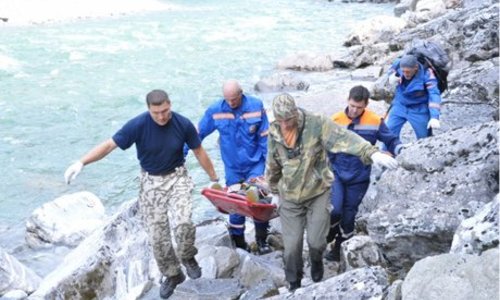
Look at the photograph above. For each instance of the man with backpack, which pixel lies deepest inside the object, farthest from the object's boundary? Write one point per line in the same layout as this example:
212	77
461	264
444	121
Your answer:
417	98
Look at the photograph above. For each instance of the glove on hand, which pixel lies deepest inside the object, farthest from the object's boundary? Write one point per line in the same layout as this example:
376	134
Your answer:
384	160
275	199
434	124
73	171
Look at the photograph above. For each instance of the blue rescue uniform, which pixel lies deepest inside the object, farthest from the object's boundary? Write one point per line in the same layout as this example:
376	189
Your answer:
351	176
243	144
416	101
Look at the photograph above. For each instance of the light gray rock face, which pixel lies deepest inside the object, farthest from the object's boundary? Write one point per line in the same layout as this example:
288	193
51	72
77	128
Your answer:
281	82
380	29
454	277
371	73
403	6
65	221
394	291
363	283
306	61
361	56
115	262
360	251
441	181
217	262
15	276
14	295
479	233
205	289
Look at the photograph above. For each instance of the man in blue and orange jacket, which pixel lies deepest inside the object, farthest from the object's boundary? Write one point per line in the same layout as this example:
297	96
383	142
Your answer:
242	124
417	98
351	176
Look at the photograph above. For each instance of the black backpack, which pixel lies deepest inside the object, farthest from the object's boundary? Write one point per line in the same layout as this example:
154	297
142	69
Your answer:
431	55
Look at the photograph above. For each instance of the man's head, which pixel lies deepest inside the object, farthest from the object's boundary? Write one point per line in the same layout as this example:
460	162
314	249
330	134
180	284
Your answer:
159	106
357	101
285	111
232	92
409	66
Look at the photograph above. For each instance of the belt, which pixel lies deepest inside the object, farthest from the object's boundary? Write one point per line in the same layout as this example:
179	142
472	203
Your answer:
162	173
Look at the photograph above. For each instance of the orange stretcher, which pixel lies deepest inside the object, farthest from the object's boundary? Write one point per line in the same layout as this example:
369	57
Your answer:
232	203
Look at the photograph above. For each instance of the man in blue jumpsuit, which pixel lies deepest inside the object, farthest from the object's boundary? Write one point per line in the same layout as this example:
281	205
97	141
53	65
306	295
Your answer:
417	98
351	176
242	125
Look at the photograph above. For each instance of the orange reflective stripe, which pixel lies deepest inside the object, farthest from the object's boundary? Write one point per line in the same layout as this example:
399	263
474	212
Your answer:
249	115
434	105
264	133
221	116
341	119
370	118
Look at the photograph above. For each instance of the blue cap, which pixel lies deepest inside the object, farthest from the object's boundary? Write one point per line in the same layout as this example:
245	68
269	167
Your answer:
408	61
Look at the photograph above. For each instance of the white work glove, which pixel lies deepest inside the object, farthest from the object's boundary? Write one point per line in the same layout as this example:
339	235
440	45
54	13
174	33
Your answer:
73	171
215	185
275	199
384	160
434	124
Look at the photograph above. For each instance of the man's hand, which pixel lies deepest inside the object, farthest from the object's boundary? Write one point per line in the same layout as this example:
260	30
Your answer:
73	171
434	124
384	160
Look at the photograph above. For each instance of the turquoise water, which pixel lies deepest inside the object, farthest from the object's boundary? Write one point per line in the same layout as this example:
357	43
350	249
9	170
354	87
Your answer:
69	86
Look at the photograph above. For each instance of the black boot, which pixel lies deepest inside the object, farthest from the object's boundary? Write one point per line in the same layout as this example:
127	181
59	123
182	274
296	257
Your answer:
294	285
334	254
317	270
239	242
261	239
192	268
169	284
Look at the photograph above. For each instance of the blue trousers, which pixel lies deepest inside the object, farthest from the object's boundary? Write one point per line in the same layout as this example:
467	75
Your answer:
236	221
417	115
346	199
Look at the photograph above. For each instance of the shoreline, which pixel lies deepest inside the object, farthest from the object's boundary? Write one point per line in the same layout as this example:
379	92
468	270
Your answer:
32	12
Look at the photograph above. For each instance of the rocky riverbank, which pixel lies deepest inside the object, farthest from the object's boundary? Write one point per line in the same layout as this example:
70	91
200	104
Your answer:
428	230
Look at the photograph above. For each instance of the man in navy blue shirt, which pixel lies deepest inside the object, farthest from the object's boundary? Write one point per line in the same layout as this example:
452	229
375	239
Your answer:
159	136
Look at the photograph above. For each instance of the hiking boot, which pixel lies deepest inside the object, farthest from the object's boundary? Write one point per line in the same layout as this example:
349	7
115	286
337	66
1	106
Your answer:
293	285
317	270
239	242
168	285
333	255
263	247
193	270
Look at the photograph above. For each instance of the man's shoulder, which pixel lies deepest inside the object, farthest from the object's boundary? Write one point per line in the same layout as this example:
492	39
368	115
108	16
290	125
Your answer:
253	100
177	117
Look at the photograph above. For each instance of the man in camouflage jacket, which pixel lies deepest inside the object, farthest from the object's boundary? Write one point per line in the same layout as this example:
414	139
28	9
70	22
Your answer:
297	170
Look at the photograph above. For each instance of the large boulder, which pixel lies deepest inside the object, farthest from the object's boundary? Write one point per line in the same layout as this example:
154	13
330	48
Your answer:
479	233
66	220
441	181
281	82
360	251
115	262
453	277
380	29
16	276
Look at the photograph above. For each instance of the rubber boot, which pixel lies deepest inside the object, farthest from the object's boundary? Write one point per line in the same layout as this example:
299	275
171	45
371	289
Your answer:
239	242
261	239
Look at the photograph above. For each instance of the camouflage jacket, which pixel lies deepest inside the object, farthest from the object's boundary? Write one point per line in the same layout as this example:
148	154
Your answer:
303	173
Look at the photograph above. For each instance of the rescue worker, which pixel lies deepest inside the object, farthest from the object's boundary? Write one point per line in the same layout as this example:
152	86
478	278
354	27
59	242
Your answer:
351	176
299	177
417	98
242	124
159	136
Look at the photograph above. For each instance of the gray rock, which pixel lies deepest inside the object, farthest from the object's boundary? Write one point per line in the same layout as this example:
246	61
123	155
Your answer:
66	220
115	262
479	233
404	6
281	82
394	291
442	180
363	283
306	61
208	289
371	73
259	269
15	276
454	277
14	295
360	251
217	262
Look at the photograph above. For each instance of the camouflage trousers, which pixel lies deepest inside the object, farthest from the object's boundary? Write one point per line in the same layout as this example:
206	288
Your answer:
165	202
